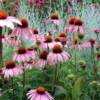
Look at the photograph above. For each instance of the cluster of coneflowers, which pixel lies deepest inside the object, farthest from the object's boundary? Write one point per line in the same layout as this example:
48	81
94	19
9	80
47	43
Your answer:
45	51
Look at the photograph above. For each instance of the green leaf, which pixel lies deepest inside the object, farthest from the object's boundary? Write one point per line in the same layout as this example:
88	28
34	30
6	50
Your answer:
76	90
60	91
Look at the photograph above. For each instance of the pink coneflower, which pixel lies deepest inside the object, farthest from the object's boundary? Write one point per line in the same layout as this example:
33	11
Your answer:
75	25
57	39
96	31
23	30
11	70
21	55
41	61
8	21
55	19
58	55
90	44
64	39
29	65
39	94
35	35
47	43
31	52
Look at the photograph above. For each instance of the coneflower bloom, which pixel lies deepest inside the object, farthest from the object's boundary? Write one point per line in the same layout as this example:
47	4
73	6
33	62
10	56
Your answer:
35	35
8	21
58	55
75	25
57	39
21	55
12	70
47	43
22	30
41	61
31	52
90	44
64	39
55	19
29	65
96	31
39	94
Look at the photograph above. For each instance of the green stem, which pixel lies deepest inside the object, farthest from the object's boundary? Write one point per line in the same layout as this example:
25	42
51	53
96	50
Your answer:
12	88
24	76
93	62
54	79
76	56
1	47
98	38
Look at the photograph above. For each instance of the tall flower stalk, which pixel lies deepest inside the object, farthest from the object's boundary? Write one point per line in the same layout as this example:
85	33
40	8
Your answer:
1	45
76	43
12	80
24	76
93	56
55	76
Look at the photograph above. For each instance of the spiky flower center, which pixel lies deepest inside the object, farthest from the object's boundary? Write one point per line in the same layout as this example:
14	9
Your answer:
24	23
21	51
54	16
35	31
3	15
29	62
43	55
57	39
92	41
62	34
10	64
75	21
78	22
40	90
48	39
57	48
72	20
12	37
